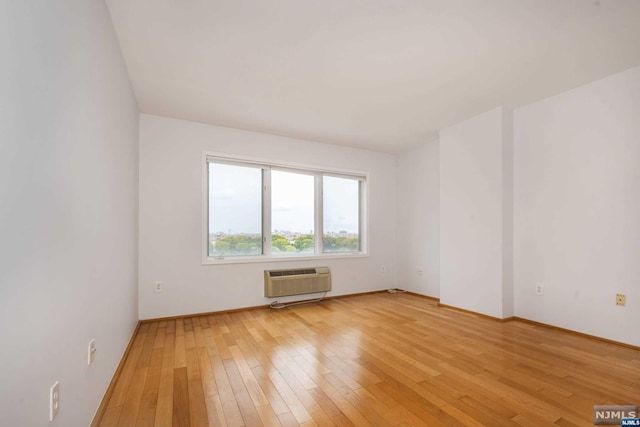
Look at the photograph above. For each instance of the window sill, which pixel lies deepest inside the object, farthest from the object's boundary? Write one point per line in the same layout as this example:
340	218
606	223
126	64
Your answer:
265	259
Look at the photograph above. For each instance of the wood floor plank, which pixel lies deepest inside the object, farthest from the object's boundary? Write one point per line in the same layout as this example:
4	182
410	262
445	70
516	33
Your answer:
164	408
134	397
215	413
149	400
111	416
290	398
273	396
267	416
181	415
333	412
250	382
145	356
171	326
207	377
180	358
197	405
230	407
378	359
288	420
124	381
247	409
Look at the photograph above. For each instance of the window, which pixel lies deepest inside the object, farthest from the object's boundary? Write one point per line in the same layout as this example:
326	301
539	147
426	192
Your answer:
255	211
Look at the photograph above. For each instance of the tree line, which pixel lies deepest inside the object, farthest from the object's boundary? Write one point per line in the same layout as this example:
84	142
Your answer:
246	244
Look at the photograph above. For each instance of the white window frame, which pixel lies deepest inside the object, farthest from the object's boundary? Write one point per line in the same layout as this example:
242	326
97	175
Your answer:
267	256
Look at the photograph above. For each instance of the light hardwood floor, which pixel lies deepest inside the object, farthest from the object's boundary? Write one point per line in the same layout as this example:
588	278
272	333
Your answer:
378	359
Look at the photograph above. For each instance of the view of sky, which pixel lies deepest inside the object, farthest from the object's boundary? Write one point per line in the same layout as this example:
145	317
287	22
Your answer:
235	201
292	201
341	204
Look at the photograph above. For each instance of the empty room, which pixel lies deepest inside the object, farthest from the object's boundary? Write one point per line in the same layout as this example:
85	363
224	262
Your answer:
319	213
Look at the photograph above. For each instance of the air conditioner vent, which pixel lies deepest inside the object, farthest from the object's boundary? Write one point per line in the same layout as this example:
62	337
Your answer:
297	281
279	273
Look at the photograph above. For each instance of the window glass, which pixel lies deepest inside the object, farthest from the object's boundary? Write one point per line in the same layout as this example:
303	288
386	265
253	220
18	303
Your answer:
341	214
292	212
235	210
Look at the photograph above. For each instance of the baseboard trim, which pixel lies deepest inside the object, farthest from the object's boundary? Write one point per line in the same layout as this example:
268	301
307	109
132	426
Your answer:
255	307
571	331
207	313
97	418
531	322
474	313
430	298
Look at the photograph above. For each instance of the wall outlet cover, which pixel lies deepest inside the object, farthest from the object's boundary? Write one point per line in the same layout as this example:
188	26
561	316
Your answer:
91	351
54	400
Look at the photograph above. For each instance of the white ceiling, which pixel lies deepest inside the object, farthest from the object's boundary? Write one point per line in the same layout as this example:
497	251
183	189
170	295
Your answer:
376	74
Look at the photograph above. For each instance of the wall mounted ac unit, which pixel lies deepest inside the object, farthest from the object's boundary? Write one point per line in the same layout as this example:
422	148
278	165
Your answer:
296	281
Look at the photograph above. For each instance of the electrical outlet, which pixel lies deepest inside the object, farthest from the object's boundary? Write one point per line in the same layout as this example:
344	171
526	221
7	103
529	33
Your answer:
159	287
621	299
539	289
419	272
91	351
54	400
382	268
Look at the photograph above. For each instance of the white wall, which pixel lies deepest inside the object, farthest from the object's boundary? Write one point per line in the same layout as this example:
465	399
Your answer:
68	208
473	263
171	218
508	302
418	199
577	208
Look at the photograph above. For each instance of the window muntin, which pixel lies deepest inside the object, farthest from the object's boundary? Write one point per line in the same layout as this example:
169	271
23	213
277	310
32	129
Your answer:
248	203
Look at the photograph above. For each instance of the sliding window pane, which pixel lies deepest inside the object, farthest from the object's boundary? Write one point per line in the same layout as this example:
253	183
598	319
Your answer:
341	214
292	213
235	210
